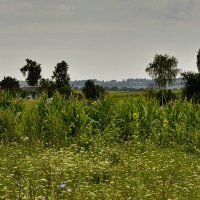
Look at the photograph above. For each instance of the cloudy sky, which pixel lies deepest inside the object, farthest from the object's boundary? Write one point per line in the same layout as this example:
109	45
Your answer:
103	39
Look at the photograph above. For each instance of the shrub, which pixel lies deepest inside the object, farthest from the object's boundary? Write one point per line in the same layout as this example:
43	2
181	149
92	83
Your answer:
92	91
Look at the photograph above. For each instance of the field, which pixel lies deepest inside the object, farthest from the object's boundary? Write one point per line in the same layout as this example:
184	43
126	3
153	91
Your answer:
114	148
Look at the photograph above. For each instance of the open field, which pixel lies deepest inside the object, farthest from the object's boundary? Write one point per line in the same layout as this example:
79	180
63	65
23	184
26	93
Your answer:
115	171
129	148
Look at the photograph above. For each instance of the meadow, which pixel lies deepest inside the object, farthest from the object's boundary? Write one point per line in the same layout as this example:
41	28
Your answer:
113	148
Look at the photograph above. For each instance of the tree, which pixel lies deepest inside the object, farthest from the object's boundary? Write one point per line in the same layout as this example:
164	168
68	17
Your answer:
60	74
62	79
163	70
11	84
33	71
191	89
198	61
92	91
48	86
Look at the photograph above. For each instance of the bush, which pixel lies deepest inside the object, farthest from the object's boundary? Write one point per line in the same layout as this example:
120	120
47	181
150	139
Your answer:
92	91
192	86
167	96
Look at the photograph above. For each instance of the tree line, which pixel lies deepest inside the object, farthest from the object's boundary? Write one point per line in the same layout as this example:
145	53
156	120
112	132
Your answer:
163	70
59	81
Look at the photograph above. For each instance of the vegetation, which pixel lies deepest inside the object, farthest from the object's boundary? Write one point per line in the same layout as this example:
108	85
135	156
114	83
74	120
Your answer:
93	91
111	149
11	84
47	86
192	83
61	76
164	71
114	146
114	171
33	71
192	86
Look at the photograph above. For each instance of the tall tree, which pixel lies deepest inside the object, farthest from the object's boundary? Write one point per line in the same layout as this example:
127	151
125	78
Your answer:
33	71
62	79
60	74
198	61
163	70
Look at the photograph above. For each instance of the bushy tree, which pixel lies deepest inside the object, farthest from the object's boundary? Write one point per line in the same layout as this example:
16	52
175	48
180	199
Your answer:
33	71
60	74
11	84
191	89
62	79
48	86
92	91
163	70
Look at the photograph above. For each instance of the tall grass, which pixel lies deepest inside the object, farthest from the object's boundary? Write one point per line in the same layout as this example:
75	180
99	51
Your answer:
59	122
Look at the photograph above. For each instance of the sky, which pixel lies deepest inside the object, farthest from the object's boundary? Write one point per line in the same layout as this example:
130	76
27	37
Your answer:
99	39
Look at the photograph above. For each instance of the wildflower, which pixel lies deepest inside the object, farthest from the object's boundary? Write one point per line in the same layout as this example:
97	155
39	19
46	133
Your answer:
17	183
69	190
136	115
62	185
165	123
25	139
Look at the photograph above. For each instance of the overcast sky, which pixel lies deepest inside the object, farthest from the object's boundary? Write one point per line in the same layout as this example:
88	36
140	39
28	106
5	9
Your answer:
102	39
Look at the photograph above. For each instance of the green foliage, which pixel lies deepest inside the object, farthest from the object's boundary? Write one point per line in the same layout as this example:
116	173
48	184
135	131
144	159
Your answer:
167	96
92	91
115	171
57	122
192	86
48	86
61	76
10	84
163	70
192	83
162	97
110	149
33	71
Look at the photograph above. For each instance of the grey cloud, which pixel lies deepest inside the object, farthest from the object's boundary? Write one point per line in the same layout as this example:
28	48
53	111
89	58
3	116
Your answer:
96	33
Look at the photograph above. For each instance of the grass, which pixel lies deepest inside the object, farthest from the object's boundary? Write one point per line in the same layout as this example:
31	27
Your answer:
125	94
115	171
114	148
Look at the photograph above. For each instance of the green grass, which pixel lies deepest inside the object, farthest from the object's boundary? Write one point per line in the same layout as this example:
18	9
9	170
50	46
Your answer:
115	171
113	148
125	94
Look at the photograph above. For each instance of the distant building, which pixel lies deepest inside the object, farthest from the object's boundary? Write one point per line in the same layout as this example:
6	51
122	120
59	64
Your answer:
29	89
